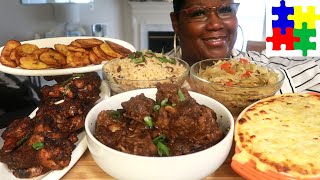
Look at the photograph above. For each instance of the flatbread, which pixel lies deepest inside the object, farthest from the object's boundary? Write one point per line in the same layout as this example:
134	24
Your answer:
281	134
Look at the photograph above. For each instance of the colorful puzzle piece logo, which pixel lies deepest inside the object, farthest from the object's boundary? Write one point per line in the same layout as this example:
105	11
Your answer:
293	28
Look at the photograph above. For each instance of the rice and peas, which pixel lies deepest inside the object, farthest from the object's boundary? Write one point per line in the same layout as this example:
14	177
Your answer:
236	83
143	69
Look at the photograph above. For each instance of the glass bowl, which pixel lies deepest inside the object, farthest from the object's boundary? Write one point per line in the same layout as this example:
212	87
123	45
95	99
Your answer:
123	74
235	97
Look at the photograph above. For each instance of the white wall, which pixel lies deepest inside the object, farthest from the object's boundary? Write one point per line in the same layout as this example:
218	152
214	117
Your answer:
104	11
21	22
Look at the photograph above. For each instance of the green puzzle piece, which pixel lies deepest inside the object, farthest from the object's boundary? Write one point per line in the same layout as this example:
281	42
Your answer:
305	35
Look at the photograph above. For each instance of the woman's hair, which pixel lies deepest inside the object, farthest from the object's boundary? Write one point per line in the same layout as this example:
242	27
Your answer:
177	5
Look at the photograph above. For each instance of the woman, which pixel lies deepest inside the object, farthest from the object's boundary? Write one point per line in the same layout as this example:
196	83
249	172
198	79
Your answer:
208	29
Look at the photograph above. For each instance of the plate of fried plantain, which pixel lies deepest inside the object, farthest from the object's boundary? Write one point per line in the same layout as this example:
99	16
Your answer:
60	55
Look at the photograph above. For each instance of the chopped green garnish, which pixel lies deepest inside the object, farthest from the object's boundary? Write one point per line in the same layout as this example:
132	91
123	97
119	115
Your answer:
163	150
115	115
181	95
140	53
23	139
172	61
173	104
37	146
163	59
148	121
160	138
76	75
138	60
132	56
164	102
156	107
66	88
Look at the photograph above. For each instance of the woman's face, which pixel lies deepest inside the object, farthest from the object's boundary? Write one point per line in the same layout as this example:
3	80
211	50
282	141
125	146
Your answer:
204	36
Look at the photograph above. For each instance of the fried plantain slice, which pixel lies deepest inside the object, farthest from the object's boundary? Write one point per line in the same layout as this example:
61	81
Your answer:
31	62
75	43
6	51
39	51
8	47
89	42
14	56
118	48
94	59
110	52
97	51
62	49
78	49
78	59
26	49
53	59
21	51
8	62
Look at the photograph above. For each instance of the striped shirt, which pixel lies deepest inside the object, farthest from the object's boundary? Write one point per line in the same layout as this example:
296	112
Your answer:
302	74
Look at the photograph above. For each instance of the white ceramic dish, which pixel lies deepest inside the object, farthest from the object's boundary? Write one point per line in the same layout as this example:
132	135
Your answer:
49	42
126	166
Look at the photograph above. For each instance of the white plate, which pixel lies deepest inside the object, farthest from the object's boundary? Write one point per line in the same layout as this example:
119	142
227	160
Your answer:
49	42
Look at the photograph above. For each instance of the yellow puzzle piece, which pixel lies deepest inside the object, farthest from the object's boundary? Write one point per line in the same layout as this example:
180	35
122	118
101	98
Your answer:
310	17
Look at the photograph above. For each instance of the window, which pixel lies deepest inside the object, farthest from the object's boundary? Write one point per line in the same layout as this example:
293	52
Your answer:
251	17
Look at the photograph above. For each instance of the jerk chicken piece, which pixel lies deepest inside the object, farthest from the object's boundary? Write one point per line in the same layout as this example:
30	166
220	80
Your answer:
15	133
190	127
67	116
125	135
38	155
170	91
138	107
56	154
81	86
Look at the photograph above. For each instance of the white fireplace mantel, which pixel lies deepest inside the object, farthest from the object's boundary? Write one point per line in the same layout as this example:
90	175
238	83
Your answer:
149	16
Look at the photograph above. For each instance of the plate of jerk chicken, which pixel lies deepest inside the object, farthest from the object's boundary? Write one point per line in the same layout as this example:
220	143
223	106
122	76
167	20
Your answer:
47	143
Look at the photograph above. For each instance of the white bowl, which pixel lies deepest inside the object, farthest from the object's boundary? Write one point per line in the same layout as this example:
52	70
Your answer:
192	166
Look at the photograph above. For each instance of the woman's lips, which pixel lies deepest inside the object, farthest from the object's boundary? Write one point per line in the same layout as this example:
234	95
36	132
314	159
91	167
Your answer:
215	41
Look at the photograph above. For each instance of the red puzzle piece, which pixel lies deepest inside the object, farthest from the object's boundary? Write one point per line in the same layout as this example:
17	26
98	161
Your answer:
277	39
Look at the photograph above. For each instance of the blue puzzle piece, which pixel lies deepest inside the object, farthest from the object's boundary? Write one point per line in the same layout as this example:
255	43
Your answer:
282	11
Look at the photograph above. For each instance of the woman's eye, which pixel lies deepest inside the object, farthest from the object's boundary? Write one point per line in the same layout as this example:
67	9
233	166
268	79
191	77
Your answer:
198	12
225	9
